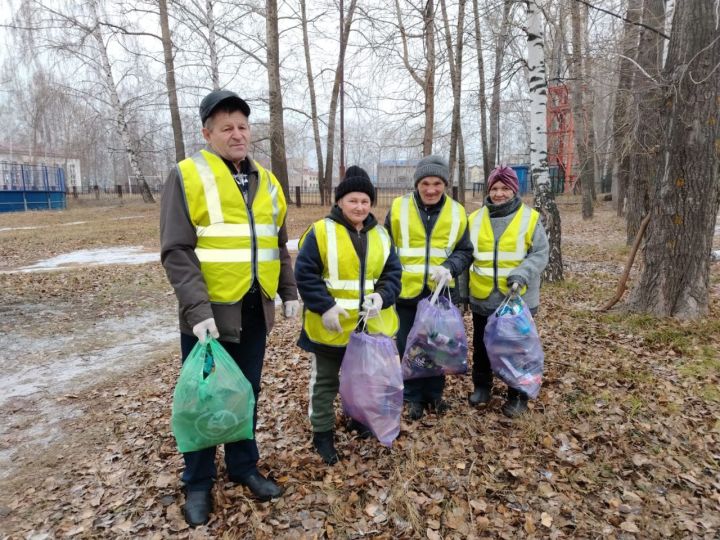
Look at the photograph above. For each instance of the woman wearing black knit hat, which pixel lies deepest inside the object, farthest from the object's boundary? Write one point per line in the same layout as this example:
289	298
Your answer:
345	264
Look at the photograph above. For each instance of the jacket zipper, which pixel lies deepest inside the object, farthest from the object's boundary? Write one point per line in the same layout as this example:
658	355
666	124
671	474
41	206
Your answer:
363	265
428	234
495	265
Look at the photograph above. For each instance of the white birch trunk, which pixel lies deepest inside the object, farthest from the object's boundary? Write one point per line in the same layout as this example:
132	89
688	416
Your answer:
119	110
544	197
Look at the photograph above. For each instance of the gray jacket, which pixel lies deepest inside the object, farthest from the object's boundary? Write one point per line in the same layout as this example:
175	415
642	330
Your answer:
177	254
529	270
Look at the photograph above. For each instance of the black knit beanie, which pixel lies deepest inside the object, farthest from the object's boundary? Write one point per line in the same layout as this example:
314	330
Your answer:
355	179
432	166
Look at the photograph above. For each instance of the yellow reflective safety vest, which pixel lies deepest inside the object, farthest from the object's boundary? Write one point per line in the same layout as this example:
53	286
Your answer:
235	246
495	259
416	251
342	272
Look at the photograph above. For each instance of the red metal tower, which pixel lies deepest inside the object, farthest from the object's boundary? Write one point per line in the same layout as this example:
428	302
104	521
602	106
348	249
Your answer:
560	137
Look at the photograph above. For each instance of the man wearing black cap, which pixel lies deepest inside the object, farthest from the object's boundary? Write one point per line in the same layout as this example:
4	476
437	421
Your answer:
223	236
430	232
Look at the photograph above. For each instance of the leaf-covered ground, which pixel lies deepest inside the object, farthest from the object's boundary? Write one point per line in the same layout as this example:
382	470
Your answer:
623	442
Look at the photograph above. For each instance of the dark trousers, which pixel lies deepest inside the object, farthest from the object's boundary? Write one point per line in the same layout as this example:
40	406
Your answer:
482	375
427	389
241	457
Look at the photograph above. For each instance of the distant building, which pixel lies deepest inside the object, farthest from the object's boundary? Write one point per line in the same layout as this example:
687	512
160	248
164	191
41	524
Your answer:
13	160
396	173
301	176
476	174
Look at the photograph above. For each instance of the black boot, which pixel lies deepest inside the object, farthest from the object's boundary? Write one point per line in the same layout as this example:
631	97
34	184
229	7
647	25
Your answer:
263	489
440	406
198	505
363	432
415	410
516	404
324	444
480	396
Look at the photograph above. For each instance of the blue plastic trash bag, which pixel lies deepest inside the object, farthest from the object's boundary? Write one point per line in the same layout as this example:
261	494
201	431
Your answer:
514	347
213	402
437	342
371	384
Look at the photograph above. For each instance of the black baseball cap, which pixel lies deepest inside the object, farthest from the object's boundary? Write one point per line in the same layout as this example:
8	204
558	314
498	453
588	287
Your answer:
215	98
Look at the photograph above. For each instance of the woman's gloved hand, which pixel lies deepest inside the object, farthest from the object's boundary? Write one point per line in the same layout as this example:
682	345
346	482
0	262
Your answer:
331	318
439	274
372	305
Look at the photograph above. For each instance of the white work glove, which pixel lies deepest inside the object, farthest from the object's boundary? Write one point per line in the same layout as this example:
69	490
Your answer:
372	305
202	329
331	318
291	308
440	274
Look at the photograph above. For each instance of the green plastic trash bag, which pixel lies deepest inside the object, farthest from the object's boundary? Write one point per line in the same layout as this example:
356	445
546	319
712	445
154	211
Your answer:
213	402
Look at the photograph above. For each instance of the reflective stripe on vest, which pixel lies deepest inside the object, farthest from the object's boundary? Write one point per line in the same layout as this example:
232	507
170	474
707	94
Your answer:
417	253
341	273
234	246
489	270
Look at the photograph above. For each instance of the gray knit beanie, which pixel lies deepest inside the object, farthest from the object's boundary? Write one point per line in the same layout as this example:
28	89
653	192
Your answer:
432	166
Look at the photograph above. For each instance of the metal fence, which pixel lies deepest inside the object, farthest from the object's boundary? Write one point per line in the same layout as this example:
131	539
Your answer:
90	193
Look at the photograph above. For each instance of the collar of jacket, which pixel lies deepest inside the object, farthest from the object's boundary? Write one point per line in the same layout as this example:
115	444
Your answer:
337	216
247	166
433	208
504	209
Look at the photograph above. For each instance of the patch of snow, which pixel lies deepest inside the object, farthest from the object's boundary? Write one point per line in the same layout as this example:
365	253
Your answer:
715	255
39	370
18	228
93	257
73	223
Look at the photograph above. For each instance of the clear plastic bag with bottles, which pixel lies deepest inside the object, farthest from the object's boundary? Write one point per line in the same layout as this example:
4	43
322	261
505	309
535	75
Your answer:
513	346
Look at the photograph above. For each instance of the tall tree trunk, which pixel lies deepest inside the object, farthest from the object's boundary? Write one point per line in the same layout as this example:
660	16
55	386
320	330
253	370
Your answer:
212	44
429	86
584	161
278	159
334	97
495	103
313	105
647	136
119	110
544	197
684	207
482	98
170	80
426	81
462	167
455	63
622	121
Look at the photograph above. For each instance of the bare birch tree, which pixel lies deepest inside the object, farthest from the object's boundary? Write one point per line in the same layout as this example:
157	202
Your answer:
544	197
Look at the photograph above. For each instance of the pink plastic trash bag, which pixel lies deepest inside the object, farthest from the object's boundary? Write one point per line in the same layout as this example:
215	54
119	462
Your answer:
371	384
514	347
437	342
